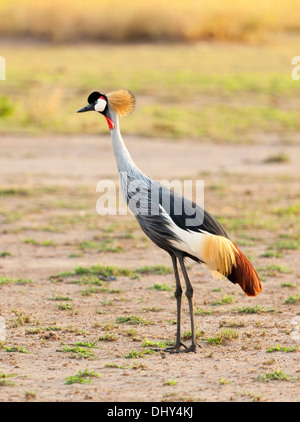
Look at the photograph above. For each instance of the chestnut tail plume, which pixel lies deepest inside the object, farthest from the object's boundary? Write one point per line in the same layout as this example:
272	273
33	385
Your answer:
245	275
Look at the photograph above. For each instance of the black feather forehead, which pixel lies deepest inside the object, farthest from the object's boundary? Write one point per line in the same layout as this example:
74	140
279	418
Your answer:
94	96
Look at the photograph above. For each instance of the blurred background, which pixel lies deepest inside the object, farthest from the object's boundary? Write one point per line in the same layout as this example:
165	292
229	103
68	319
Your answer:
210	70
216	101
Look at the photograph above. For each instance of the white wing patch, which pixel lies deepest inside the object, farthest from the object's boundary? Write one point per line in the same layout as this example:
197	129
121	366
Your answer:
217	252
190	241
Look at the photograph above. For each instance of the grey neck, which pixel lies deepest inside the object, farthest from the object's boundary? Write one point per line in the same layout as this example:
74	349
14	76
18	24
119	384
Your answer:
123	158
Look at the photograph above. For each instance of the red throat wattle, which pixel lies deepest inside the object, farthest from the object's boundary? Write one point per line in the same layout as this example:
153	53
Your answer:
110	123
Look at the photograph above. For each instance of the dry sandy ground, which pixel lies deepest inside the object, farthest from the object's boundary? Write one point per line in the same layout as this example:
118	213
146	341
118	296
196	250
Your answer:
59	177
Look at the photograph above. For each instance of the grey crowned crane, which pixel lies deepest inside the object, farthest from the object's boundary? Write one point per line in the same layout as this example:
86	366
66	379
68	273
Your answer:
171	221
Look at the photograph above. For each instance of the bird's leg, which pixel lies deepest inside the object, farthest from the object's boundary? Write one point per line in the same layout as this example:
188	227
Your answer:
178	295
189	295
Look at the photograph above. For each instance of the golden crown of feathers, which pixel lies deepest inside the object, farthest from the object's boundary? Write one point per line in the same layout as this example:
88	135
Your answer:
122	101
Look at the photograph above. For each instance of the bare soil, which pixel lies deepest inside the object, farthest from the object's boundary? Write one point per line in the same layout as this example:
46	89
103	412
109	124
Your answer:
50	210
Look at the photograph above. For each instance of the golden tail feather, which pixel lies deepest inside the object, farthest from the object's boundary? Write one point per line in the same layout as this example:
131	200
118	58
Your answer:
222	257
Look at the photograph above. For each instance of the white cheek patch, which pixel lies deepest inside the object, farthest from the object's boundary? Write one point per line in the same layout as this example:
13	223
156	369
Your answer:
100	105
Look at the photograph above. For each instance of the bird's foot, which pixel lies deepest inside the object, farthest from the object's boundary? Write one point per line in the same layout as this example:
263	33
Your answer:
171	349
177	348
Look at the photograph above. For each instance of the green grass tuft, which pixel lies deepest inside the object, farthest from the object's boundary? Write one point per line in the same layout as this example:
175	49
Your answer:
134	354
274	376
224	301
83	377
279	158
154	269
279	348
132	320
293	299
161	287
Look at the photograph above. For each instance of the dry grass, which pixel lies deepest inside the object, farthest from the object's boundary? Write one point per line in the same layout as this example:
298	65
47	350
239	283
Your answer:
210	91
116	20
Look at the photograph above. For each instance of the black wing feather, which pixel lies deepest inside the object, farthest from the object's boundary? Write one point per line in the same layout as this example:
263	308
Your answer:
202	220
183	212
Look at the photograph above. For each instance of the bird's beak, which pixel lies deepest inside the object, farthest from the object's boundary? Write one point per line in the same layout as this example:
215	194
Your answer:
89	107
